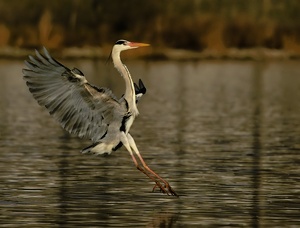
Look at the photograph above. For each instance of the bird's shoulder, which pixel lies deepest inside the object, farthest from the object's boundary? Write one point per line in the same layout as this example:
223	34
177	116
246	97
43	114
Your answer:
102	93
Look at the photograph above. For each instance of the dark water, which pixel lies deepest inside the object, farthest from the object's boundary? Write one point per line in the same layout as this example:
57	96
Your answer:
226	135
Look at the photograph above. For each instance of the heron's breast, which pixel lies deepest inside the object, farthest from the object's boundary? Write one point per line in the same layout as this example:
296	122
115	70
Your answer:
127	122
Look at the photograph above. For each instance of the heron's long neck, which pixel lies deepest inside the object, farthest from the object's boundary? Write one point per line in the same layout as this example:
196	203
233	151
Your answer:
129	91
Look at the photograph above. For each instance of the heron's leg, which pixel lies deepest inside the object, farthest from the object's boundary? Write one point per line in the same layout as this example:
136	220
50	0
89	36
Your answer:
135	149
127	146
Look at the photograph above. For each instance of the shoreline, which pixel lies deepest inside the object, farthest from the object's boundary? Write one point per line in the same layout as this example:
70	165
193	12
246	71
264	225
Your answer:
256	54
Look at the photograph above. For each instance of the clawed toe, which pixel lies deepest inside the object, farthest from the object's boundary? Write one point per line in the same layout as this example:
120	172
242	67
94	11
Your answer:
160	183
161	188
165	189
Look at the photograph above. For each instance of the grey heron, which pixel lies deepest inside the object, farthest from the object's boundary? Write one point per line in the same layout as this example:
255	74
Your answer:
90	112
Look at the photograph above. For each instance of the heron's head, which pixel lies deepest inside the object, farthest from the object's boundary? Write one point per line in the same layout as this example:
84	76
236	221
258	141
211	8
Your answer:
122	45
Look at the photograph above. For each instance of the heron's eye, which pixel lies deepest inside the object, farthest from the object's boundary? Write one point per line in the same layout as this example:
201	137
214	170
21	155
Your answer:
121	42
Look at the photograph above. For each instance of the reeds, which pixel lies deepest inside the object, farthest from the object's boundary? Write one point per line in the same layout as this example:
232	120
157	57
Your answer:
196	25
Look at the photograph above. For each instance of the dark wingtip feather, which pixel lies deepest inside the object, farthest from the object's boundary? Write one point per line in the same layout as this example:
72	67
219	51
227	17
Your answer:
136	88
140	88
143	89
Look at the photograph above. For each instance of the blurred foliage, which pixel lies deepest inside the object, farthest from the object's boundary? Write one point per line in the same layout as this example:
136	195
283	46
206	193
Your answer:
190	24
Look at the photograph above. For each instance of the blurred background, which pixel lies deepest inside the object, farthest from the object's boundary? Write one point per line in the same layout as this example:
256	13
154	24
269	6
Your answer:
199	25
221	127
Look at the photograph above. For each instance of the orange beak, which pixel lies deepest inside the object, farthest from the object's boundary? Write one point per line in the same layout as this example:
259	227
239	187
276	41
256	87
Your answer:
134	44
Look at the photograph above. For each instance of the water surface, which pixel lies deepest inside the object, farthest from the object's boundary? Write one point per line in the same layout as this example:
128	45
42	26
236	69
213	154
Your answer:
226	135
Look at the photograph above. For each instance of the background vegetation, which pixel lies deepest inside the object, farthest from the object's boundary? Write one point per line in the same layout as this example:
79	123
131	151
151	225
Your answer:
188	24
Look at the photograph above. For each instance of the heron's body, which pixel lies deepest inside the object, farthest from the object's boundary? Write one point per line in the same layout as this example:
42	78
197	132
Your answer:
88	111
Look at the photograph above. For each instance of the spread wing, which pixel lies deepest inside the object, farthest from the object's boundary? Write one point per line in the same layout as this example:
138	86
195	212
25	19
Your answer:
81	108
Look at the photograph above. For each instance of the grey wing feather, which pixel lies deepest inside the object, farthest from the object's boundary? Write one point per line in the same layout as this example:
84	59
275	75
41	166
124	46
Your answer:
81	108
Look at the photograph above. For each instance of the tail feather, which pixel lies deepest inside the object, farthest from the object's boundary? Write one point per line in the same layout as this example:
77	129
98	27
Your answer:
88	148
98	148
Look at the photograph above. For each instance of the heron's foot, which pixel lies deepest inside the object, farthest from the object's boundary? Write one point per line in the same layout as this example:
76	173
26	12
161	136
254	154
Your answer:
166	189
163	185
